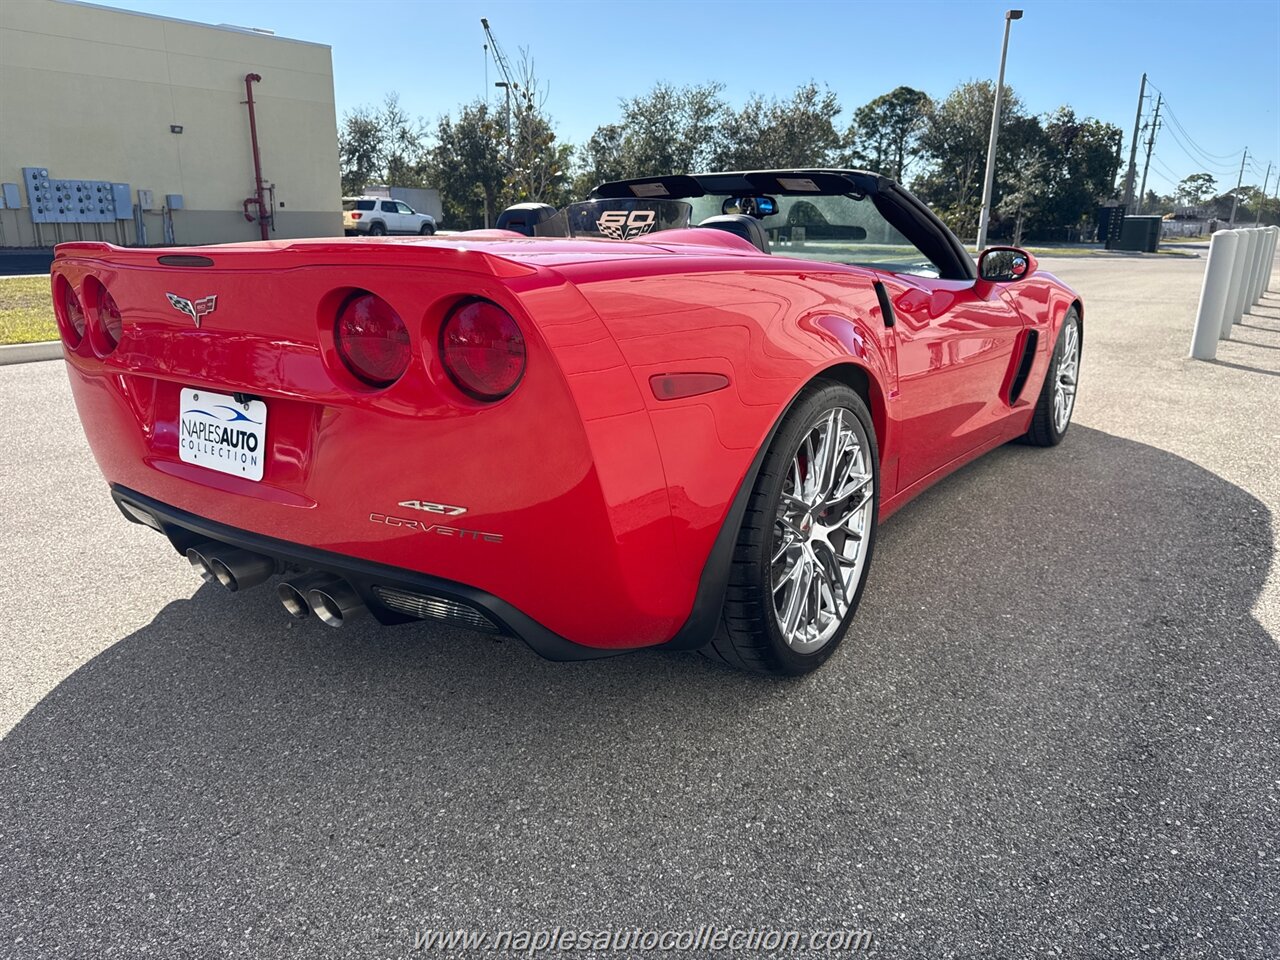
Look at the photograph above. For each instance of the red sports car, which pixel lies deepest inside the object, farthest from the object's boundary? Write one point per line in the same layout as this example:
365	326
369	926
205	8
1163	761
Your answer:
671	416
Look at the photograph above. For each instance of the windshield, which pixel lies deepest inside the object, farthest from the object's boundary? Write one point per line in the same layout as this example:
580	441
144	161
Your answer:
837	229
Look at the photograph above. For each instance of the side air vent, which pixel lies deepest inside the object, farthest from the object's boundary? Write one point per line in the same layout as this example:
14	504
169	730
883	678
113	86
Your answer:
886	307
424	606
1024	366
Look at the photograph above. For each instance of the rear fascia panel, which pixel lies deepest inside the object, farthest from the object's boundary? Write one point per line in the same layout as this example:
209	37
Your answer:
564	470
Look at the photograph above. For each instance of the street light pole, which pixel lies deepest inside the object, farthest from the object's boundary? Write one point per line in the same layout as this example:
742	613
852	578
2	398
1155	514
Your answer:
507	87
989	184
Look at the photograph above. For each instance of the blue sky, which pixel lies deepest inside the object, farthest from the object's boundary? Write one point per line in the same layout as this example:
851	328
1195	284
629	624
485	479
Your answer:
1216	61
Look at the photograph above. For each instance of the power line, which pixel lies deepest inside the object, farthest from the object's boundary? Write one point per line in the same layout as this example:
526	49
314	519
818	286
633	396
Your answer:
1164	172
1230	157
1212	167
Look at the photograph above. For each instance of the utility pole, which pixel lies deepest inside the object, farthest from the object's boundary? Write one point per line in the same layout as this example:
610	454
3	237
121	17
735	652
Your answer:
1132	172
1235	197
989	183
1257	214
1151	142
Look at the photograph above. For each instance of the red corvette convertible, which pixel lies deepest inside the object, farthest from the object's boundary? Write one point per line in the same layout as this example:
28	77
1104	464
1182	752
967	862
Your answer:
671	415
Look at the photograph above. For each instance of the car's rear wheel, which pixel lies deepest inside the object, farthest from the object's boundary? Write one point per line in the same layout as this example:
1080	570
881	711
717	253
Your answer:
427	230
805	545
1057	400
377	230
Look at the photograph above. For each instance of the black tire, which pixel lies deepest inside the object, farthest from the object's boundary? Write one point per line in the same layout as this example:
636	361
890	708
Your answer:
377	230
749	637
1044	430
427	230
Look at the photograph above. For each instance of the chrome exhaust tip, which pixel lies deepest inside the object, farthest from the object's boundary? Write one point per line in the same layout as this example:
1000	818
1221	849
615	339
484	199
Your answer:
239	569
293	594
197	557
335	603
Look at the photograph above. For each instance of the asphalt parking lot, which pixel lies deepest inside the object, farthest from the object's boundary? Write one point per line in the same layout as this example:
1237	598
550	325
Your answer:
1055	730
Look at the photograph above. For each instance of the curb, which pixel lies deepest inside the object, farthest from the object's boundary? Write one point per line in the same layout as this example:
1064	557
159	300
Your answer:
30	352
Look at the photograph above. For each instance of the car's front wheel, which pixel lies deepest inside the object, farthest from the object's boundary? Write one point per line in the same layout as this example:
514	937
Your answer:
1057	400
805	545
427	230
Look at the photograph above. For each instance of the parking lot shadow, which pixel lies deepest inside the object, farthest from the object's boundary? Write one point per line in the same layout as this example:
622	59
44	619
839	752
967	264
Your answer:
1051	731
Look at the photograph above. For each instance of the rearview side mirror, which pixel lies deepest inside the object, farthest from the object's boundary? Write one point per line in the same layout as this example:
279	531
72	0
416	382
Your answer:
1005	264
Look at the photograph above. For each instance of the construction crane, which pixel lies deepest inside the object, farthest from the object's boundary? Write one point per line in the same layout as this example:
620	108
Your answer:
499	58
507	82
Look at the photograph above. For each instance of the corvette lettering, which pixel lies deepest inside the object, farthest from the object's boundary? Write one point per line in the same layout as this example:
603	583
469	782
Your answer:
438	529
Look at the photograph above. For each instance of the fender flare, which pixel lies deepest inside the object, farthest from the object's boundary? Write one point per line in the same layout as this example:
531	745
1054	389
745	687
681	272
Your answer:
708	602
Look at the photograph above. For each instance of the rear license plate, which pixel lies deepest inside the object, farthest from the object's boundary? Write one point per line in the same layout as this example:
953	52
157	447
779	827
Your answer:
216	432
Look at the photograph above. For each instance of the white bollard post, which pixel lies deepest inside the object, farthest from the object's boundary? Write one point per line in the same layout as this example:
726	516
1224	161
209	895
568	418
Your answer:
1236	293
1242	304
1250	248
1213	296
1254	268
1264	241
1268	261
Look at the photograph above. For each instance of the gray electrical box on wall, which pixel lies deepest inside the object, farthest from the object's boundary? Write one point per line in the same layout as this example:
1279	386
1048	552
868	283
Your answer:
173	201
146	200
10	197
124	202
68	201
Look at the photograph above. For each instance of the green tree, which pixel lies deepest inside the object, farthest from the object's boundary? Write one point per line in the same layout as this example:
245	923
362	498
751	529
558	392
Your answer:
467	165
404	145
668	130
798	132
955	139
886	131
1083	160
1254	206
359	150
537	166
1197	189
600	160
381	146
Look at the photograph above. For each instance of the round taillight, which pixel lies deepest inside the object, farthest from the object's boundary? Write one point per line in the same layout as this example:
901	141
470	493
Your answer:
372	340
110	318
74	314
482	349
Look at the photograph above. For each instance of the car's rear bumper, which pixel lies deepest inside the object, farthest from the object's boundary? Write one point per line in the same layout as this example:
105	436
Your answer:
371	580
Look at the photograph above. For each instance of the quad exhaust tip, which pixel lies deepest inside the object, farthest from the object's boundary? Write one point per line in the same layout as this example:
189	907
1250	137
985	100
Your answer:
196	556
330	598
293	594
230	567
335	602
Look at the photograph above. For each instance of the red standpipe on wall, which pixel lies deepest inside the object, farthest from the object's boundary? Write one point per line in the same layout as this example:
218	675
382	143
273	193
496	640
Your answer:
258	199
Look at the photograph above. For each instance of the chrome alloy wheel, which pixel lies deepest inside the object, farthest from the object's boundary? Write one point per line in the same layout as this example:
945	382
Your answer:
819	536
1064	385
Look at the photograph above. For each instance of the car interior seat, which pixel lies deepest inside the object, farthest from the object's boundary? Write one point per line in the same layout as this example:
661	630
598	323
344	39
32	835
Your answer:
740	225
